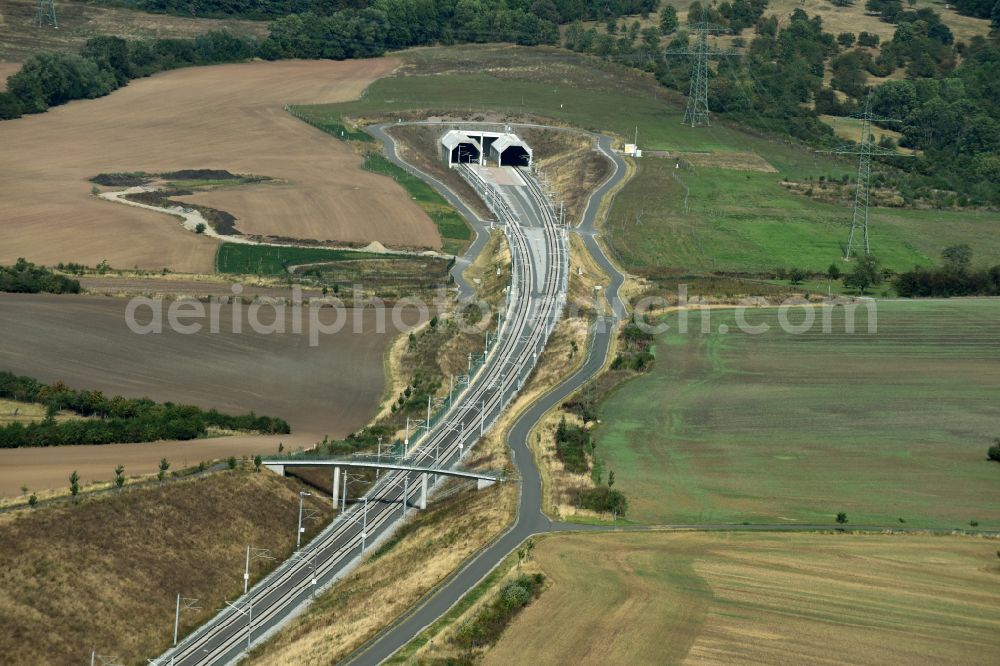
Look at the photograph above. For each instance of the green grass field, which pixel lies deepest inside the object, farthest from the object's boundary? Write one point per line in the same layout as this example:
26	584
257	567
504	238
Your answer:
270	260
579	90
781	428
746	221
455	233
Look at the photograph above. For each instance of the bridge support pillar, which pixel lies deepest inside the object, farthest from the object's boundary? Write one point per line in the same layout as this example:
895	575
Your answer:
423	491
483	483
276	468
336	486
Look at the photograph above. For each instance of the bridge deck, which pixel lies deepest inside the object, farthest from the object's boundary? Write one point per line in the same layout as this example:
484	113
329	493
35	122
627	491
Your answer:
278	466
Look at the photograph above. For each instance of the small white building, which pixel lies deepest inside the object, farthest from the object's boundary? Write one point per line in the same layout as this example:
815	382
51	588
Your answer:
482	147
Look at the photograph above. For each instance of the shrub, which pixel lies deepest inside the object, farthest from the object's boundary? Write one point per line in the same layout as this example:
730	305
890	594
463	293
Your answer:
604	500
993	453
10	107
797	275
26	277
487	625
573	445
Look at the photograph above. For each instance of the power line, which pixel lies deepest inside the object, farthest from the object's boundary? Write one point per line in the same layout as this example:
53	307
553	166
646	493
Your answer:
46	13
697	113
864	149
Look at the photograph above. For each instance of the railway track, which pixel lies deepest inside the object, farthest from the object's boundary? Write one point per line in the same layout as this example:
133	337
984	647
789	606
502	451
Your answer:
535	300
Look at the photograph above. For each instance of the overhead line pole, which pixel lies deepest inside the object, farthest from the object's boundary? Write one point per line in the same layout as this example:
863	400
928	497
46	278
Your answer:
864	149
697	113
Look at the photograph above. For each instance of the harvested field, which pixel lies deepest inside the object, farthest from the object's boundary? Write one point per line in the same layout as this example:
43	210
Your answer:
80	20
737	598
332	388
222	117
49	468
104	574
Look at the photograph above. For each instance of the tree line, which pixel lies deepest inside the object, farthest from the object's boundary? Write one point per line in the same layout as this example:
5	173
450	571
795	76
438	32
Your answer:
955	277
300	29
556	11
114	420
25	277
106	63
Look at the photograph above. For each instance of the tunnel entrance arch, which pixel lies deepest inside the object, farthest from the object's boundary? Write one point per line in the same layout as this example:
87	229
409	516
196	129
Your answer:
468	146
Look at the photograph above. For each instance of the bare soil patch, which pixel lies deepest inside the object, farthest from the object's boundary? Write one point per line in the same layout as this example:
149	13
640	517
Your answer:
221	117
172	288
332	388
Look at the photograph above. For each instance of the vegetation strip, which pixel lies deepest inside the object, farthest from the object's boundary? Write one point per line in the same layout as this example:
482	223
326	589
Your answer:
27	278
114	420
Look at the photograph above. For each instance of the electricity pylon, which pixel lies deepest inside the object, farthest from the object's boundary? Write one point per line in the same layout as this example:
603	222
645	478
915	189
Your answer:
696	113
864	150
46	13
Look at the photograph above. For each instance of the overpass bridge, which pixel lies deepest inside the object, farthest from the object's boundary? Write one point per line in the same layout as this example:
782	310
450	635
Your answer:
424	472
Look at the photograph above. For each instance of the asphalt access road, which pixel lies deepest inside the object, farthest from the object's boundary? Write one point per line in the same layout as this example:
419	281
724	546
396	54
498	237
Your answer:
530	519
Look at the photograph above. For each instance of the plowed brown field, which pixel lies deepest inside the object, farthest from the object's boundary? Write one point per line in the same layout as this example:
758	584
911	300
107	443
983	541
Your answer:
225	117
332	388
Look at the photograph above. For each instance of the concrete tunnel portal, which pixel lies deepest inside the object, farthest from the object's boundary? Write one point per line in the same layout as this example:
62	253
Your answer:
485	148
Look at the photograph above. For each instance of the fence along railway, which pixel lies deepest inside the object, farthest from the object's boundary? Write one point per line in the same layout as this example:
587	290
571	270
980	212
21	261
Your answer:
535	300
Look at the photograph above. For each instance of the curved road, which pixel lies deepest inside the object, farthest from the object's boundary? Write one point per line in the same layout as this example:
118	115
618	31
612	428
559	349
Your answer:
530	519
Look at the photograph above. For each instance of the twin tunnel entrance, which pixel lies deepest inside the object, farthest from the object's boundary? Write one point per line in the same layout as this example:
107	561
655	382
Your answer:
488	148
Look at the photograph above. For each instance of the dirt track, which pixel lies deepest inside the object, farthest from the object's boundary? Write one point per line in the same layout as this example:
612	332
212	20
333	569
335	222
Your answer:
225	117
83	340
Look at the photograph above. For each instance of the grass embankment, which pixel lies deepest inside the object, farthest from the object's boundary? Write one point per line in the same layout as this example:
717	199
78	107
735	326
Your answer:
392	579
104	574
781	428
660	598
